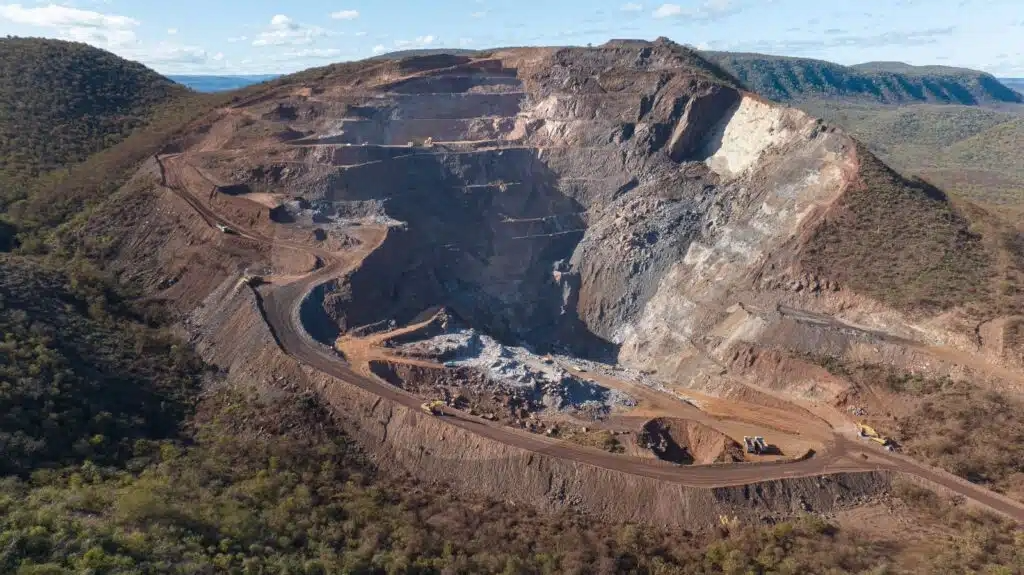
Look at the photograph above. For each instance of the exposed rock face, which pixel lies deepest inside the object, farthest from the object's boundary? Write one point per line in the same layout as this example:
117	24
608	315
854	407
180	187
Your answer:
613	201
617	202
403	440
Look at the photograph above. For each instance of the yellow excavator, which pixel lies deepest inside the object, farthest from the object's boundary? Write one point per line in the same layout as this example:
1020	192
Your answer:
435	407
869	433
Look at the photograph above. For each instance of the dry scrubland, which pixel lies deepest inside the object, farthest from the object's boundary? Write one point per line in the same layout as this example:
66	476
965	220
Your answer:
971	151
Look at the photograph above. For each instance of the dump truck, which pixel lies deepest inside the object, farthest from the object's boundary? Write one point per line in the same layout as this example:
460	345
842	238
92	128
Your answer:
755	444
435	407
225	229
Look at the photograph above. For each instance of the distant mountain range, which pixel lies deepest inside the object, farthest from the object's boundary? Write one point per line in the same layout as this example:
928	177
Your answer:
788	79
1015	83
202	83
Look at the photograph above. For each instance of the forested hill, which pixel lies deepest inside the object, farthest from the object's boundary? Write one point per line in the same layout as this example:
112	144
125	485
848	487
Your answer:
61	102
784	78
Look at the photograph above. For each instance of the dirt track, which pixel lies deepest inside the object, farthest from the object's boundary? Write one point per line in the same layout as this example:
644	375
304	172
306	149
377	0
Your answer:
279	306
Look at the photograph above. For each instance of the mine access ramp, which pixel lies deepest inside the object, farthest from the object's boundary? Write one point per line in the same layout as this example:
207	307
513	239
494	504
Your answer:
755	444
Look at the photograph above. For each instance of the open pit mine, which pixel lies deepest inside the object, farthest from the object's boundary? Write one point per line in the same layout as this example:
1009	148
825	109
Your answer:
562	277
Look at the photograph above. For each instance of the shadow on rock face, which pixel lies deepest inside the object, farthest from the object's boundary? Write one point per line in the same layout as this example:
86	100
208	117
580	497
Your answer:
281	215
687	442
484	230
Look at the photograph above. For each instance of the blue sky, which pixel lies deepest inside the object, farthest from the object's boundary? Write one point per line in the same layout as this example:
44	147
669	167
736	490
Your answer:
275	36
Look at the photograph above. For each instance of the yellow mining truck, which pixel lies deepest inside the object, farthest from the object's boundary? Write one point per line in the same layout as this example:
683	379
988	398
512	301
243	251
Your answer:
435	407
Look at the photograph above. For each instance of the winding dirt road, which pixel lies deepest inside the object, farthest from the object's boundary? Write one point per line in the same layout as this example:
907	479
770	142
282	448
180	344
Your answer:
279	305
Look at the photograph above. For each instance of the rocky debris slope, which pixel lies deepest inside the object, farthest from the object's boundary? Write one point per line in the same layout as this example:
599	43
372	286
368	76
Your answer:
535	381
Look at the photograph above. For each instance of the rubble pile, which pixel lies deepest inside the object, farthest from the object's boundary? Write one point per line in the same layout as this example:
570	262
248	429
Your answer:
539	380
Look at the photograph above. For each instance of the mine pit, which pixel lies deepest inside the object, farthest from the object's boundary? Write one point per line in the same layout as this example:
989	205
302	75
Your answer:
688	442
566	248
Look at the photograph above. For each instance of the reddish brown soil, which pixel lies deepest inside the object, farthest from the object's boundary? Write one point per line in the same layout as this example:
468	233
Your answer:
688	442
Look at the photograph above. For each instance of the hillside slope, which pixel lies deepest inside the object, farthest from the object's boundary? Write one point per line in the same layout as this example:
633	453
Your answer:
970	150
786	79
85	376
61	102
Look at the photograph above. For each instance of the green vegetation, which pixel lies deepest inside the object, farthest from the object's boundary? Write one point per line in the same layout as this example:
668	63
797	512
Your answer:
981	542
75	122
84	374
123	453
111	467
968	150
66	197
902	242
974	433
61	102
923	120
268	487
792	79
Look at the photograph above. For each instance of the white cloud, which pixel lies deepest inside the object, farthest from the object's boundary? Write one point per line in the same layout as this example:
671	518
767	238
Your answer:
312	53
170	54
283	31
632	7
235	39
172	31
668	10
418	42
379	49
100	37
478	14
54	16
706	10
465	42
104	30
345	14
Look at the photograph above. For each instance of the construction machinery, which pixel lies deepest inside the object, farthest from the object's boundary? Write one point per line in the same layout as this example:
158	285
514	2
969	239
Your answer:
869	433
435	407
224	229
755	444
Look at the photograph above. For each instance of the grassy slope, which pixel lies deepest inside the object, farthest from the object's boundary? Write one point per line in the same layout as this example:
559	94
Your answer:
972	432
786	79
268	486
